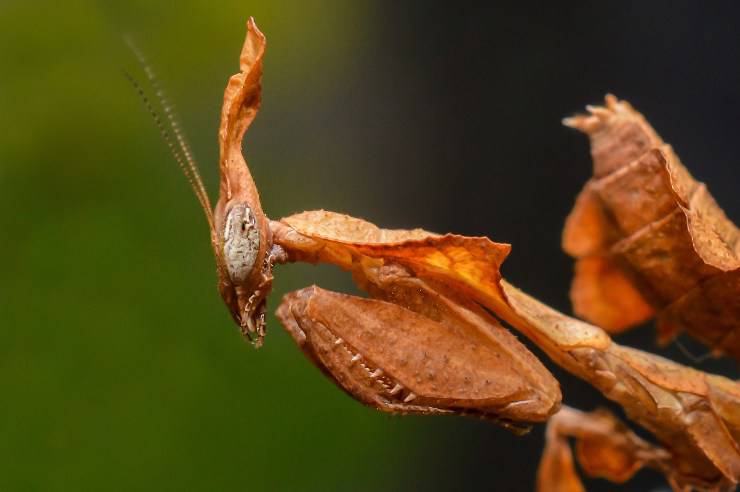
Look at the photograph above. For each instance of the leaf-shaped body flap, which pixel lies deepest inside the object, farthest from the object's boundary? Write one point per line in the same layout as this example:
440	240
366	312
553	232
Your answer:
643	215
241	235
399	361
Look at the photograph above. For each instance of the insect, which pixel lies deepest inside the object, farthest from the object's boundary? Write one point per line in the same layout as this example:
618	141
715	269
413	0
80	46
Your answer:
469	365
430	337
605	447
649	238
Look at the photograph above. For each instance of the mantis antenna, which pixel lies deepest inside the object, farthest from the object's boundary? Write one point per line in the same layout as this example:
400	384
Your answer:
168	127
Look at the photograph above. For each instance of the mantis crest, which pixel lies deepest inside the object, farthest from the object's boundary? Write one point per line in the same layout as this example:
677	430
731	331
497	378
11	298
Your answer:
431	336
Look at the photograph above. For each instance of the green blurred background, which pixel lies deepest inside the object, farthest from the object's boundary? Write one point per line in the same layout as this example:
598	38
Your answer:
120	368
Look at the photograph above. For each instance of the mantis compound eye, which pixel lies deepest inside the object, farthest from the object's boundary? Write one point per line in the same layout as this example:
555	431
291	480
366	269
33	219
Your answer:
241	242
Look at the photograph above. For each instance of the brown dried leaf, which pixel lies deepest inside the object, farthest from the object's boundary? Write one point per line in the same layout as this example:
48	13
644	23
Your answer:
645	233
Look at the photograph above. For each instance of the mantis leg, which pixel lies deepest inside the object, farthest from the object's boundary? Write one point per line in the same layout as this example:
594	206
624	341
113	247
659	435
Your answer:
605	448
399	361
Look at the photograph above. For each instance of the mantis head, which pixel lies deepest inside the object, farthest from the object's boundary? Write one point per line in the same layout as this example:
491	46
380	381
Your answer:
240	233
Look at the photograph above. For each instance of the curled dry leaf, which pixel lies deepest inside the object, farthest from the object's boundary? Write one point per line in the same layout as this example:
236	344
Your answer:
649	238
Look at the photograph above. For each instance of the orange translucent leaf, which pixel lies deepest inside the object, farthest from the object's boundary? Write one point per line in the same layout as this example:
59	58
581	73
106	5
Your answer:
450	257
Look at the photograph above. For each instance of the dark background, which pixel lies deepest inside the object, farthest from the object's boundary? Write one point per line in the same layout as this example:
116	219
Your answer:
119	366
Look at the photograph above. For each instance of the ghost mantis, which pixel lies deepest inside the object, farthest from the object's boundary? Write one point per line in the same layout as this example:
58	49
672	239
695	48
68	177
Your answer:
430	337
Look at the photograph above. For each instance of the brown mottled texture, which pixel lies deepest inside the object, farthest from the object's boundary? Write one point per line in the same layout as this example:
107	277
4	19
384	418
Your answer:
419	271
692	414
430	338
675	403
246	298
648	236
409	363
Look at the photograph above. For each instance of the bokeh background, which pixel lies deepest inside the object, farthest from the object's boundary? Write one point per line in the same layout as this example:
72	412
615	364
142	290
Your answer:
120	368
